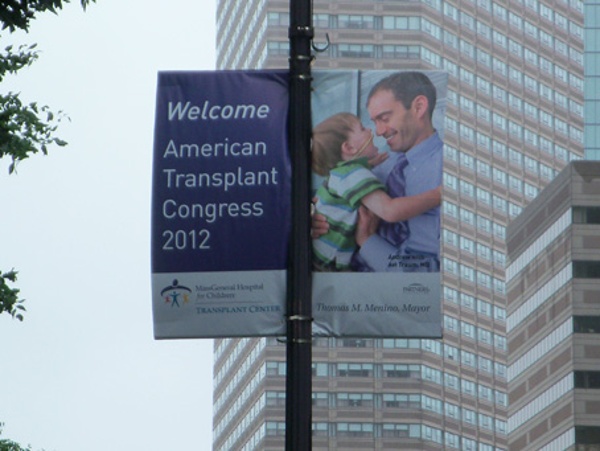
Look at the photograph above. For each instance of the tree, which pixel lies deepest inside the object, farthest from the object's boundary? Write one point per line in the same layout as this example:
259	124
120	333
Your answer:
9	445
25	129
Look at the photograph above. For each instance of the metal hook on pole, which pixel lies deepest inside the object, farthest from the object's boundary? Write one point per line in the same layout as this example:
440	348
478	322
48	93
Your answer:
321	49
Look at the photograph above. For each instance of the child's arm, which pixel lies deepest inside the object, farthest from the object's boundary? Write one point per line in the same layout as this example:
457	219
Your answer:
401	208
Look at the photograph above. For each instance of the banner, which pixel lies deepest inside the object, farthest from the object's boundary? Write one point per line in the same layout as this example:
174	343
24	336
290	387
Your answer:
377	174
220	204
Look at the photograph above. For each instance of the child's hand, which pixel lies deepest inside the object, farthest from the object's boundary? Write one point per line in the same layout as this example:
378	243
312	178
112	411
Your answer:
319	224
378	159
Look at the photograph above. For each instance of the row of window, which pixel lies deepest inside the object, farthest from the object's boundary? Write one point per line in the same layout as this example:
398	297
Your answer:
484	169
541	295
539	245
516	131
466	20
468	273
530	30
438	347
472	303
375	430
394	401
541	402
404	371
467	216
473	247
498	203
475	333
541	349
500	12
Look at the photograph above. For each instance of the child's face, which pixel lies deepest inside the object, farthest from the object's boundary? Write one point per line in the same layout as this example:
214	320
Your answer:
361	141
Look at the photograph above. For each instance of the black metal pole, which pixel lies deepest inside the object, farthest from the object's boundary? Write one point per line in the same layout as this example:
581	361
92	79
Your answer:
299	309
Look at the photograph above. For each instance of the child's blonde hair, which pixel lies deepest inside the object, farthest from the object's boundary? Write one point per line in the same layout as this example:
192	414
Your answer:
327	140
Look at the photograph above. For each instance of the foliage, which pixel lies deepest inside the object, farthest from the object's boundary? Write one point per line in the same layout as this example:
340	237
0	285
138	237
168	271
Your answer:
24	129
9	297
17	14
9	445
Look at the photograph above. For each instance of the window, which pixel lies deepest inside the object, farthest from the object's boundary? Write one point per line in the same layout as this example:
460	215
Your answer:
484	336
318	430
586	215
320	20
402	401
278	48
276	368
277	398
355	399
484	364
355	21
587	435
586	324
469	416
401	51
451	381
587	379
354	429
320	369
412	371
452	410
468	387
584	269
275	428
355	369
356	50
400	430
450	323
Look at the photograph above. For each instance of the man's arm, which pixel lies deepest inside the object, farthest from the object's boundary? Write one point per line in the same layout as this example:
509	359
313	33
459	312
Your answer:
374	250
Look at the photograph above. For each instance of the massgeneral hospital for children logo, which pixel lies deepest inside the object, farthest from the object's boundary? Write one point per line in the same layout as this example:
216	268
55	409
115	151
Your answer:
176	294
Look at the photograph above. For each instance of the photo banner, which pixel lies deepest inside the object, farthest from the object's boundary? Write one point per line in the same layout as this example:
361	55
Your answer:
221	192
382	279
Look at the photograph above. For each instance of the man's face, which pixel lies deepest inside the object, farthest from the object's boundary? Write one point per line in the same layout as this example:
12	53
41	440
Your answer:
392	121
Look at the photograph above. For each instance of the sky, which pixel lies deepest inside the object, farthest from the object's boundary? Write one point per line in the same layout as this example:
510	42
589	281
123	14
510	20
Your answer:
83	371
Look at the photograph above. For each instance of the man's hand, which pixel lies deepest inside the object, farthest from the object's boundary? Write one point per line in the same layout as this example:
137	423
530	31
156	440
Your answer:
366	226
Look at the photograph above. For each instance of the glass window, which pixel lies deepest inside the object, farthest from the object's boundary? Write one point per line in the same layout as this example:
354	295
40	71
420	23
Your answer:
355	21
586	269
586	215
320	20
586	324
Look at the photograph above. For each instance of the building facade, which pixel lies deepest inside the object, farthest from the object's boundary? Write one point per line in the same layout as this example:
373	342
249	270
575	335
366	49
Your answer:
514	120
553	315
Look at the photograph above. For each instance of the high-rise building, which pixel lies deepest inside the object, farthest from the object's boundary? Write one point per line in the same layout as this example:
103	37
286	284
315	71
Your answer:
514	120
553	315
592	79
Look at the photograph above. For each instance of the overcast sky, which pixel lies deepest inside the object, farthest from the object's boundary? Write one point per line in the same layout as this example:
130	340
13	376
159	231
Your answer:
83	372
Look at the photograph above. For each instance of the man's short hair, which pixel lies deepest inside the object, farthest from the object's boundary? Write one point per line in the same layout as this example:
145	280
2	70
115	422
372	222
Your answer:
406	86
